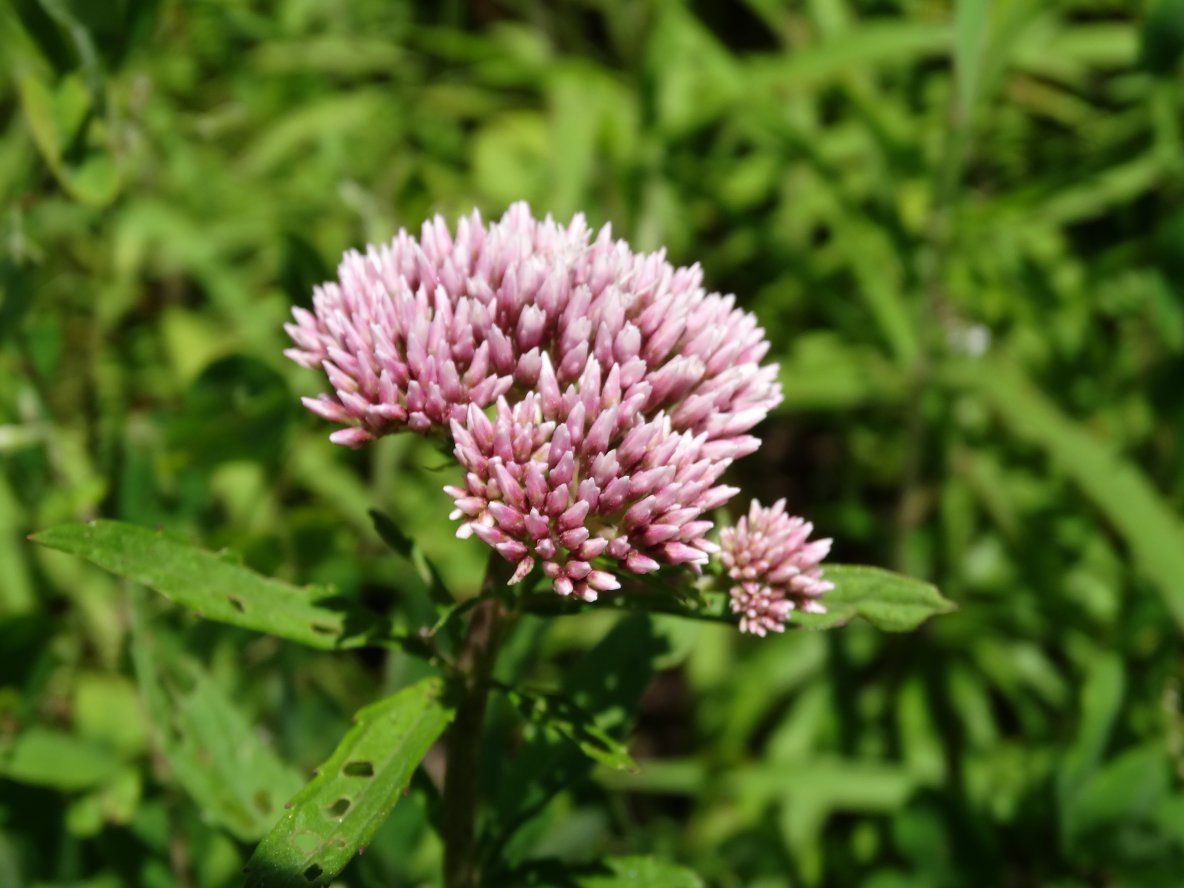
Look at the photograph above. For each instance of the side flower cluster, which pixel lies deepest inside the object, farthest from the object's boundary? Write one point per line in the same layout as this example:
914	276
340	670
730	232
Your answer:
594	395
774	567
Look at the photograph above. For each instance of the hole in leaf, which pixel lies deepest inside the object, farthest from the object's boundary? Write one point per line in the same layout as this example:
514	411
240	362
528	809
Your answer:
358	769
338	808
322	629
313	873
237	603
262	801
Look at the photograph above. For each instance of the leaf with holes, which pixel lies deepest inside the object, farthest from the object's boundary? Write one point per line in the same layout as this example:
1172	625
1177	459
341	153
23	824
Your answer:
213	751
887	600
332	819
216	588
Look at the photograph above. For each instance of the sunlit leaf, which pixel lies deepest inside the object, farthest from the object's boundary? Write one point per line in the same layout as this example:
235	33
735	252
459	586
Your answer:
218	589
887	600
332	819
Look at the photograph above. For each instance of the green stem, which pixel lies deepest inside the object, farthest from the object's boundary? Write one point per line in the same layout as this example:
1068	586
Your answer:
463	742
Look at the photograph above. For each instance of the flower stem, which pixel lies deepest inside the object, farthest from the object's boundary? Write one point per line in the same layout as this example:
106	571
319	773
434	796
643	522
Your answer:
463	742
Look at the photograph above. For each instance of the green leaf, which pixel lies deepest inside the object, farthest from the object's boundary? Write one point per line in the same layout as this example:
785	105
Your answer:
60	117
820	782
824	373
887	600
115	802
218	589
641	872
700	79
107	708
46	757
238	408
563	715
609	680
1101	700
611	872
971	33
331	820
393	536
1162	38
213	751
1117	487
1127	790
873	44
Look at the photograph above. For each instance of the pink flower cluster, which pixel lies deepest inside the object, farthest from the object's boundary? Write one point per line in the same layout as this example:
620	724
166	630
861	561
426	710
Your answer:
414	332
594	395
775	569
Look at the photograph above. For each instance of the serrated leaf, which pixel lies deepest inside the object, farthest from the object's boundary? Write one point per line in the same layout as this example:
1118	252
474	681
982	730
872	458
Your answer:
887	600
331	820
218	589
563	715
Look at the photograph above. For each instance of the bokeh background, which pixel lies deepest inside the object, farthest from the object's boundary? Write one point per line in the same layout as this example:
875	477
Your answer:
963	229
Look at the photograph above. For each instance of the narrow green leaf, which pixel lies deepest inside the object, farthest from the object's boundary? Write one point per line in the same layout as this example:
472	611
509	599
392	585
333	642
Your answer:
563	715
331	820
393	536
887	600
822	782
218	589
1101	699
872	44
56	115
1118	489
971	32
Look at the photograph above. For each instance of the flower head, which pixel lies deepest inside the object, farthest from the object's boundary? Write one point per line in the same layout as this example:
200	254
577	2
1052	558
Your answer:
414	332
775	569
594	395
562	479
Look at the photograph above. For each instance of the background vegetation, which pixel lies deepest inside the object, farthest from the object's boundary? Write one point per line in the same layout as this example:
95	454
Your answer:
964	232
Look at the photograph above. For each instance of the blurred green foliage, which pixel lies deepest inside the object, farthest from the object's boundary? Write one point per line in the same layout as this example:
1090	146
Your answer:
964	231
